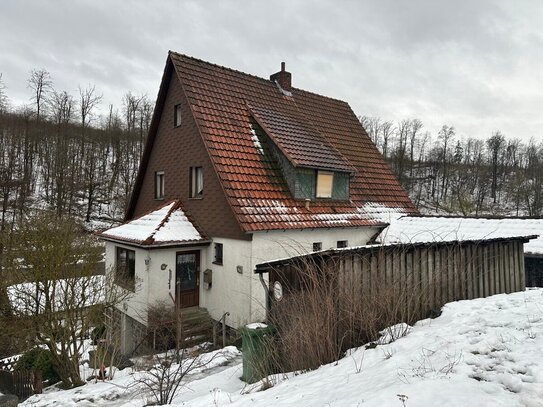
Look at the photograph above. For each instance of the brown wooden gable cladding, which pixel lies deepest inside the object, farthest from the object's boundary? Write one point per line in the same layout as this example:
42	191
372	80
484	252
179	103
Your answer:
174	151
220	100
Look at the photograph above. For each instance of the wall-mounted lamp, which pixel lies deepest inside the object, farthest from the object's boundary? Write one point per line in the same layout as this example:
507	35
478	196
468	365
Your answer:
163	266
147	261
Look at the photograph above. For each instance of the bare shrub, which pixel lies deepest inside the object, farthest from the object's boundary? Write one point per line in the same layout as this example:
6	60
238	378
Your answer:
326	310
161	323
166	371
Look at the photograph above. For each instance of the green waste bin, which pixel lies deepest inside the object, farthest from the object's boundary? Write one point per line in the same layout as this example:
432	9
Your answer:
256	341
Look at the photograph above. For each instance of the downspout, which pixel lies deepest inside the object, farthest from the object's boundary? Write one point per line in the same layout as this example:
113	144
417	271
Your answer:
267	291
147	268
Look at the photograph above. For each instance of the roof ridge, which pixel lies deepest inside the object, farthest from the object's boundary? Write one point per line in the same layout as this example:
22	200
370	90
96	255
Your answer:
220	66
485	217
175	206
251	75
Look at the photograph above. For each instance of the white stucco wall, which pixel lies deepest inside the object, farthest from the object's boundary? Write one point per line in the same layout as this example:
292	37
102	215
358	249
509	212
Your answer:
230	290
153	284
134	304
280	244
240	294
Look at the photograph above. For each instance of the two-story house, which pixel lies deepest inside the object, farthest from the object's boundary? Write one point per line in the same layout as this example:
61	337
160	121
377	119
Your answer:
238	170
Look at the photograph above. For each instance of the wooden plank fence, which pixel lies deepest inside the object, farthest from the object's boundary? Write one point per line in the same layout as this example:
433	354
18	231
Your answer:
428	274
23	384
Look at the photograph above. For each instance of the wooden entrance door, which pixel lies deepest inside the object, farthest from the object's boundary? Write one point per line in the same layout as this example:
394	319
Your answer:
187	277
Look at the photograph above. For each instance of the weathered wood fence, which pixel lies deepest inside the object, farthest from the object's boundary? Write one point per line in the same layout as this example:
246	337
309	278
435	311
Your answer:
23	384
431	274
20	383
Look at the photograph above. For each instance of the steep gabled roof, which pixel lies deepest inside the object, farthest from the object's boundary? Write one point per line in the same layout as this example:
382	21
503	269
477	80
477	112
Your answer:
168	225
311	130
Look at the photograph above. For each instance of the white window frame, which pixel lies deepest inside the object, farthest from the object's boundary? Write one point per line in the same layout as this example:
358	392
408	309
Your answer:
196	182
159	184
177	115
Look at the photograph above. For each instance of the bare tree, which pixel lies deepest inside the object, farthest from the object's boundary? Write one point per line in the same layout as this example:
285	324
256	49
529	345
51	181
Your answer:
387	130
53	285
88	101
495	145
41	85
416	126
3	96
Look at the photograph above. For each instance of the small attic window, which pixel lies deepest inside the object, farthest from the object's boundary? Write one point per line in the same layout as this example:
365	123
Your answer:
159	185
325	182
177	115
196	182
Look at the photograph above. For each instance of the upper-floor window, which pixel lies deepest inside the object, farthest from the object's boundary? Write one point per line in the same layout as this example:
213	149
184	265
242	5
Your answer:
159	185
307	183
342	244
196	182
317	246
218	253
177	115
125	268
325	181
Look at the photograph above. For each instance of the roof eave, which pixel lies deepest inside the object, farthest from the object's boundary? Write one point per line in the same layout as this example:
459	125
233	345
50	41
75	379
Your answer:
267	266
154	245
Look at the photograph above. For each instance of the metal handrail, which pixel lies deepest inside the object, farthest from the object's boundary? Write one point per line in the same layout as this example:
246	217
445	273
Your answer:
222	322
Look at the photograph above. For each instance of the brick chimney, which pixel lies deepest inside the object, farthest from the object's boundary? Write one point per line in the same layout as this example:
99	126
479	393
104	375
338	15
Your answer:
283	78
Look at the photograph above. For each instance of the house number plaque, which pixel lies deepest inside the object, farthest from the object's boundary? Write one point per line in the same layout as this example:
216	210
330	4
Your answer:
277	291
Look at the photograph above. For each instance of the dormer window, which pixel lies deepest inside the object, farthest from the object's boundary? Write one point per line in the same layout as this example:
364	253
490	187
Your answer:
325	182
177	115
308	182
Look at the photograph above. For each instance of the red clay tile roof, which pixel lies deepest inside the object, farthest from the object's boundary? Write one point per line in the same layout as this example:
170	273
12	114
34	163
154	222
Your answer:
310	129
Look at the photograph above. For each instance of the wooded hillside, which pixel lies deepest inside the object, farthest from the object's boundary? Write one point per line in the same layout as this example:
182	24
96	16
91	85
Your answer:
449	173
57	153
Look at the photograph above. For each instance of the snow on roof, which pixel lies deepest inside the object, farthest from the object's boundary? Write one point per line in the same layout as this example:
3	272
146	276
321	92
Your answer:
382	212
167	225
418	229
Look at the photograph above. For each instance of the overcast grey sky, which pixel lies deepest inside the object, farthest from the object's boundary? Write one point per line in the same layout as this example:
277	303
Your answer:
476	65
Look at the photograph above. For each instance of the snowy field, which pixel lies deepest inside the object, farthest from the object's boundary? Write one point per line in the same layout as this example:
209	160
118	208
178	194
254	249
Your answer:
484	352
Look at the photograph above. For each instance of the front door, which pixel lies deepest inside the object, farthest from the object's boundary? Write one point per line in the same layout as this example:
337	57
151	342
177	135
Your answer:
187	277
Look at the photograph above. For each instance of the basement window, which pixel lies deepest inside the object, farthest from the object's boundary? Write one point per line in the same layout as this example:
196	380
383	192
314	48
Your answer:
317	246
325	181
218	254
159	185
125	270
177	115
196	182
341	244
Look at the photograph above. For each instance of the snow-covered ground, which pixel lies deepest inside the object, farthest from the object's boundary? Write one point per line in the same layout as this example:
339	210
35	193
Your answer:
483	352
